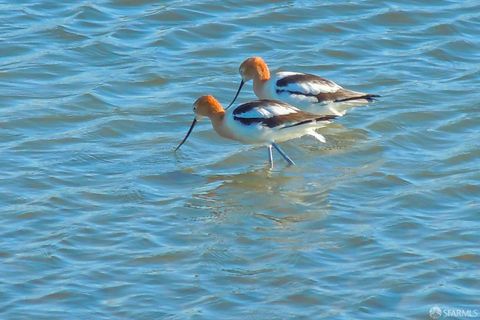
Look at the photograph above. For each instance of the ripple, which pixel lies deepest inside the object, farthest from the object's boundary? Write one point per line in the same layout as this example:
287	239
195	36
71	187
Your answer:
99	211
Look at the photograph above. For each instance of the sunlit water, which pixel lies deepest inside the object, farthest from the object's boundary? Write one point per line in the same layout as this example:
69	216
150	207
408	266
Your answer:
101	220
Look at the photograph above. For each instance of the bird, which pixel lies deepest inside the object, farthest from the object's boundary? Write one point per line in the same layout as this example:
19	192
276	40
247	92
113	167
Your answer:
306	91
260	122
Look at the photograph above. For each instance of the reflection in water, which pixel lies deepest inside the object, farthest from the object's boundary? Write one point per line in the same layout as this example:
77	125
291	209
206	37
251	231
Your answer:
239	195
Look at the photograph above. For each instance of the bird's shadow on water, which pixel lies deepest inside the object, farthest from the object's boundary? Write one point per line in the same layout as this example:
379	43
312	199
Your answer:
280	196
238	180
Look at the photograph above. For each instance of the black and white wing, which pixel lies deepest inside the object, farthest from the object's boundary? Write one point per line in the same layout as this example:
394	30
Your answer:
302	87
274	114
304	84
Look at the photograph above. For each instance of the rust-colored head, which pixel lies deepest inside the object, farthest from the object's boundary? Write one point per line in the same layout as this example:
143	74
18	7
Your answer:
254	68
207	106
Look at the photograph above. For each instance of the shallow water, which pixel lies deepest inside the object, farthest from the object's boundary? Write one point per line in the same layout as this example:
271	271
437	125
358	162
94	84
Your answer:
101	220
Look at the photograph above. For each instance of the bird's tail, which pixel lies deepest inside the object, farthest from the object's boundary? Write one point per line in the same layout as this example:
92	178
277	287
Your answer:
312	119
326	117
348	95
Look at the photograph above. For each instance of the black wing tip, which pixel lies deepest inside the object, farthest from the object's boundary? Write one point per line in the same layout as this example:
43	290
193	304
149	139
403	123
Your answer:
371	97
368	97
327	117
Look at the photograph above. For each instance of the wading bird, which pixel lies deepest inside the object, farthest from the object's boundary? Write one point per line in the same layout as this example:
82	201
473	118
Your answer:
306	91
260	122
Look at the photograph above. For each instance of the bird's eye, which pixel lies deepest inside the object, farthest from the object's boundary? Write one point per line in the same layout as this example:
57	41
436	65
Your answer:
194	108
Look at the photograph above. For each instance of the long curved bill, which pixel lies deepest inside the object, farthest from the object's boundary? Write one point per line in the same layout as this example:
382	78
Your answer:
236	95
188	133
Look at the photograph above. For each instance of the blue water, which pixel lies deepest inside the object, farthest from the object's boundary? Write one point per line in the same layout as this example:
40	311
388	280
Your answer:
100	219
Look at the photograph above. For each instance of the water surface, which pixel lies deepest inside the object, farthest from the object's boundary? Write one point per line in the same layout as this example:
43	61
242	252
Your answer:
101	220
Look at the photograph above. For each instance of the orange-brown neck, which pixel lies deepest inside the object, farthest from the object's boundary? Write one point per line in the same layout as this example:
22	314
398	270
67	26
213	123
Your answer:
258	88
220	126
209	107
262	72
217	115
215	111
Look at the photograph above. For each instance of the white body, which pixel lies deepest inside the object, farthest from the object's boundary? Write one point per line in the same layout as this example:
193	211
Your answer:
258	132
302	93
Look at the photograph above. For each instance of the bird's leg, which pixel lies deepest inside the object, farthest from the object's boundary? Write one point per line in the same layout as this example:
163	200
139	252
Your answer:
270	156
284	155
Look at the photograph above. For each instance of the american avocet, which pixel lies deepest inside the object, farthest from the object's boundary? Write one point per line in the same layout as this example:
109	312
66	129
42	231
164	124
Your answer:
306	91
260	122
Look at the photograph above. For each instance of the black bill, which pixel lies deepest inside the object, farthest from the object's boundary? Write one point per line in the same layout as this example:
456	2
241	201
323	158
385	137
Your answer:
188	133
236	95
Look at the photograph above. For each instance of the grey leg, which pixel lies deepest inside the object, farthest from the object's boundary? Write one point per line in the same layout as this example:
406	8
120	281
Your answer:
270	156
284	155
